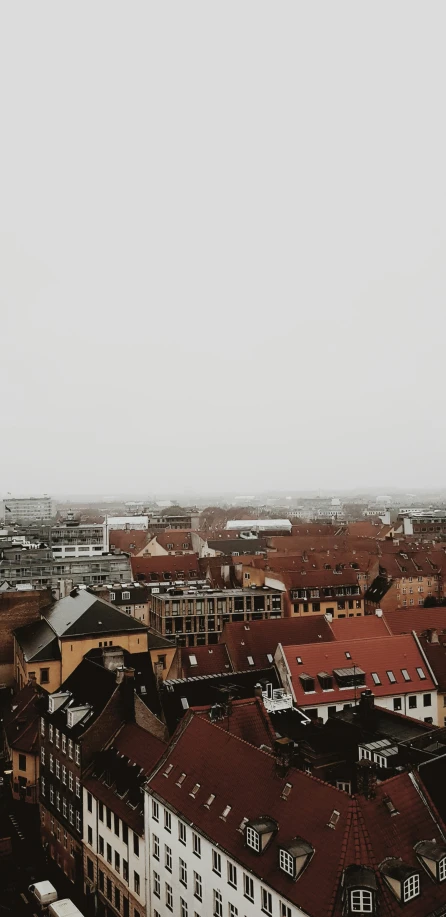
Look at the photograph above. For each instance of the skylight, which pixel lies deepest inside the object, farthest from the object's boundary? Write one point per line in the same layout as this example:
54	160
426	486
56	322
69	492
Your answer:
181	779
250	660
376	678
348	656
225	812
269	657
194	791
334	818
299	660
169	768
420	673
405	674
185	703
286	790
209	801
391	676
193	660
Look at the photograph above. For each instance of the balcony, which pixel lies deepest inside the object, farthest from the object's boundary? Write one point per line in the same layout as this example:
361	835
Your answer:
277	699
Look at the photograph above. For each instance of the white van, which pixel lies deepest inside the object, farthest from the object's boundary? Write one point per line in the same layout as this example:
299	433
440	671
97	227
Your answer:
44	893
64	908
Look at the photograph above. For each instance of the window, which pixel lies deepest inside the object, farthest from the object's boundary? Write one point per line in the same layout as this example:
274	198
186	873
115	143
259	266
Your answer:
109	889
44	676
167	820
78	788
183	908
117	862
253	839
405	674
196	844
248	887
125	834
155	810
101	811
285	911
267	902
109	853
135	844
117	899
51	763
442	870
22	762
232	875
156	884
126	596
90	836
42	726
218	904
181	832
78	821
397	703
125	870
52	795
216	862
136	884
427	700
286	862
362	901
64	775
411	887
169	897
50	733
156	846
101	845
422	676
64	744
391	676
168	858
42	785
116	825
70	814
198	887
77	754
183	872
412	701
70	748
233	911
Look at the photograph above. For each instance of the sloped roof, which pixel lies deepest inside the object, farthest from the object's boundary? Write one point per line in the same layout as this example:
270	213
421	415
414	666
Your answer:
355	628
205	660
89	684
21	722
372	654
130	541
406	620
259	639
143	568
364	832
247	719
81	613
37	642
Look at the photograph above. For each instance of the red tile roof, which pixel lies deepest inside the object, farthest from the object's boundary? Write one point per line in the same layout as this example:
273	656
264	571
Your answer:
143	568
176	537
364	833
206	660
406	620
130	541
248	720
259	638
356	628
374	654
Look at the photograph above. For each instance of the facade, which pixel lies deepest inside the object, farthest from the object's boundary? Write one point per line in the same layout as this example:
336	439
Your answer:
17	608
337	594
21	735
157	522
39	568
28	509
76	722
78	539
113	817
406	579
275	841
197	616
394	669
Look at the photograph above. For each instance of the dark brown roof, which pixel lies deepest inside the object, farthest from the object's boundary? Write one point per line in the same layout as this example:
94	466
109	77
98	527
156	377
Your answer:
258	639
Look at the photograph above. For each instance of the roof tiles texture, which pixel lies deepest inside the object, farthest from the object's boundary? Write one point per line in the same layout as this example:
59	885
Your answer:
145	568
205	660
130	541
258	639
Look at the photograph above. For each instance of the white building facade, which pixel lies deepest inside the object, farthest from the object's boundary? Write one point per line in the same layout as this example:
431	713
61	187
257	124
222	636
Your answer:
28	509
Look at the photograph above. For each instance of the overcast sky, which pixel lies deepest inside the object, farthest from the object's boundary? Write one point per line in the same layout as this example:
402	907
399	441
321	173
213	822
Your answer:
222	245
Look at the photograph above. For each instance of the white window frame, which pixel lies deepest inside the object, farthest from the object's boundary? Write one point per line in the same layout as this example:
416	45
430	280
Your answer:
253	839
442	870
248	887
411	887
216	862
361	901
287	862
267	902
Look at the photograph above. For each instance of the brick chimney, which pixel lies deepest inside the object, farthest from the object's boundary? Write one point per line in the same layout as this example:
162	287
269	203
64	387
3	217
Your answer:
366	708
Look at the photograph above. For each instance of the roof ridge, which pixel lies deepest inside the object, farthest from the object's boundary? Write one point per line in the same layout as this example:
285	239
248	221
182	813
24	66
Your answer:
344	846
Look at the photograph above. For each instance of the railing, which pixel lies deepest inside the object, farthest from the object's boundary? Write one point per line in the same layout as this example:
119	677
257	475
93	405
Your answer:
277	700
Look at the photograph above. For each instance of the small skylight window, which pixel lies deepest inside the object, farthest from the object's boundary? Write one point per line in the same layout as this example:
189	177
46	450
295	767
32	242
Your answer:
193	660
143	689
242	825
168	770
391	676
209	801
269	657
250	660
181	779
348	655
225	812
376	678
334	818
185	703
420	673
194	791
405	674
286	790
299	660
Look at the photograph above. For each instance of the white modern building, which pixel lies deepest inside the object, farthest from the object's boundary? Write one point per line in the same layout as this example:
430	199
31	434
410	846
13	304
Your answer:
139	522
28	509
79	539
259	525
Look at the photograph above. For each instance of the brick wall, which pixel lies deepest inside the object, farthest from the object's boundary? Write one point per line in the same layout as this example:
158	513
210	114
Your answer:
16	610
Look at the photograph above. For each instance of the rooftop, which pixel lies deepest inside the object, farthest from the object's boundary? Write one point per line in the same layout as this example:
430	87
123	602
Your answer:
82	613
258	640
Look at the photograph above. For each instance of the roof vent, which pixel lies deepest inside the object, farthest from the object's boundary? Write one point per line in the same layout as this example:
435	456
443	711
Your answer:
225	813
209	801
168	770
181	779
390	806
334	818
242	825
194	791
286	791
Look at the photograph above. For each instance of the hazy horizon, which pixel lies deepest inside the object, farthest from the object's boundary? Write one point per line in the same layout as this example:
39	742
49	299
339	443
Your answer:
222	247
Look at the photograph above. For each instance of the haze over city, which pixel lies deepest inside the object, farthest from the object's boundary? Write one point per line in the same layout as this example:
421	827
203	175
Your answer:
222	247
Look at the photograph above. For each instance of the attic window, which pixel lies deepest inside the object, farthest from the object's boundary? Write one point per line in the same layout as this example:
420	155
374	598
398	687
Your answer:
325	681
293	857
405	674
225	813
185	703
259	832
250	660
420	673
269	657
194	791
253	839
376	678
307	683
299	660
286	862
348	655
193	660
286	790
209	801
168	770
391	676
126	596
334	818
411	887
181	779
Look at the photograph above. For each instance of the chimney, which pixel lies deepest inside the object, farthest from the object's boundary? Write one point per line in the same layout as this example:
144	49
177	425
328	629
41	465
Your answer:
379	612
112	657
283	753
366	778
124	674
366	706
433	636
258	691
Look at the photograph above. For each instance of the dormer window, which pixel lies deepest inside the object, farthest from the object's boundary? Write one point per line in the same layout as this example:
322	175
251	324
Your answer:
325	681
403	880
293	857
307	683
360	890
259	832
433	858
411	887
